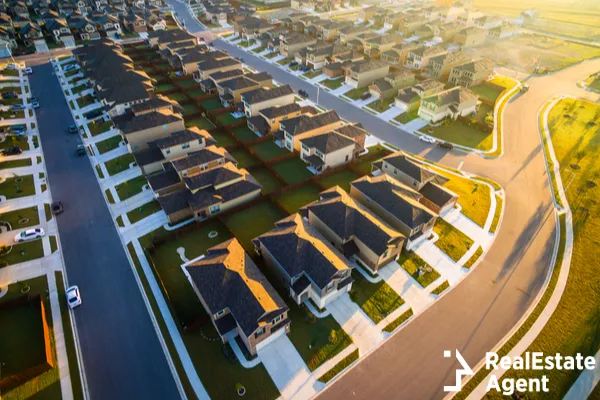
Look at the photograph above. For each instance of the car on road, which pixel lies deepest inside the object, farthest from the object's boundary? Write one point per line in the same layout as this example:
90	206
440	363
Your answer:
72	128
73	297
29	234
70	67
35	104
80	150
524	88
303	94
426	139
11	151
446	145
57	207
28	71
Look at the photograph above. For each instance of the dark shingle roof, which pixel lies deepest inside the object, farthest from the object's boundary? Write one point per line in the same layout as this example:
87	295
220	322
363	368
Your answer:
130	124
328	142
196	158
265	94
211	177
410	168
277	111
305	123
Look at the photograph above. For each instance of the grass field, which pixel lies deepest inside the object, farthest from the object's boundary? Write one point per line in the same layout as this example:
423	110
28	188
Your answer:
411	262
143	211
294	199
244	158
267	180
292	170
268	150
341	179
252	222
119	164
377	300
460	132
244	133
451	240
21	218
18	186
211	104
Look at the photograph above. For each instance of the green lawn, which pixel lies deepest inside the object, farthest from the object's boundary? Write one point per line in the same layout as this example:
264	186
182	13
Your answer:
244	158
381	105
462	133
196	92
228	119
316	339
18	186
187	83
268	150
109	144
451	240
267	180
377	300
190	109
285	61
85	101
407	116
22	218
11	141
272	55
341	179
398	321
355	94
411	262
143	211
211	104
223	139
130	188
471	261
16	89
164	87
497	214
313	74
247	43
441	288
200	123
98	128
79	88
253	222
12	114
177	96
23	252
292	170
294	199
20	163
259	49
333	83
244	134
487	91
119	164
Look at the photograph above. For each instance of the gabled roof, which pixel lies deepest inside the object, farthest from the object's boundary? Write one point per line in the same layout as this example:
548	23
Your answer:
455	95
264	94
368	65
402	163
227	278
130	124
328	142
305	122
213	177
299	248
197	158
278	111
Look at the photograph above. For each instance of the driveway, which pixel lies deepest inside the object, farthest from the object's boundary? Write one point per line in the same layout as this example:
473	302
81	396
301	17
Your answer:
69	42
41	46
287	369
122	356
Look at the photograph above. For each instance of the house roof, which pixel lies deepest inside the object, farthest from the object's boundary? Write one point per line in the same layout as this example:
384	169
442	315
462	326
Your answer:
238	83
196	158
305	122
455	95
368	65
153	104
394	198
264	94
129	124
402	163
180	137
299	248
227	278
278	111
328	142
170	35
437	194
163	179
476	66
213	177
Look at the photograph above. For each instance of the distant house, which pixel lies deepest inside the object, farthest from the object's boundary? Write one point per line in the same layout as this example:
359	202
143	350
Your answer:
31	33
252	27
162	38
470	37
211	65
353	229
230	91
306	125
471	73
410	98
294	42
390	85
452	103
134	22
419	58
328	150
487	22
439	67
237	296
502	31
259	99
209	85
82	28
59	29
375	46
268	120
305	262
364	73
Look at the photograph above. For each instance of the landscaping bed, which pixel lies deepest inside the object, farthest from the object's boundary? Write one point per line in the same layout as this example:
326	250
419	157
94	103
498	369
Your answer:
377	300
412	263
451	240
292	170
391	327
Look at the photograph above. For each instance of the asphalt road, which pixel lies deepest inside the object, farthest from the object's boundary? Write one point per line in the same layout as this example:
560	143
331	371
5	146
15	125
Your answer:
121	352
481	310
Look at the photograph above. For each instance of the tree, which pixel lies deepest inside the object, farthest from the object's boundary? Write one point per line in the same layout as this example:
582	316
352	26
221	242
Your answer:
580	155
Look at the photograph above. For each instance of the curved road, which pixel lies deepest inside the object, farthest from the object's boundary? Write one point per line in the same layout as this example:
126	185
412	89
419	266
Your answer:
481	310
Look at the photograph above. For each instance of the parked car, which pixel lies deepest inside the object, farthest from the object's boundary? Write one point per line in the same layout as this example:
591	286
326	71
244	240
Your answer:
293	64
70	67
446	145
11	66
57	207
73	297
10	95
28	71
524	88
305	69
29	234
18	107
35	104
426	139
303	94
80	150
11	151
72	129
365	95
93	114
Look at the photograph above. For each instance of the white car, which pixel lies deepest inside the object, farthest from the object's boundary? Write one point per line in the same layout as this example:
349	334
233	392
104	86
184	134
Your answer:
73	297
28	71
426	139
29	234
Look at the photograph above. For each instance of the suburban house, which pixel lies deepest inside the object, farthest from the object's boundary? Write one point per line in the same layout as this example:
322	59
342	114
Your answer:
237	296
468	17
440	66
59	29
209	85
410	98
487	22
177	144
390	85
392	21
375	46
183	195
410	25
470	37
230	90
353	229
212	65
81	27
108	25
503	31
363	73
415	175
175	49
398	54
419	58
451	103
191	59
251	27
134	22
268	119
293	130
471	73
139	128
162	38
30	33
307	264
262	98
318	56
328	150
349	33
294	42
396	204
448	31
331	30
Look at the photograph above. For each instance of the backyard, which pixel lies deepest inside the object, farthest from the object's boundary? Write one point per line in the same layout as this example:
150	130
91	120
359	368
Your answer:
200	123
268	150
294	199
267	180
211	104
292	170
252	222
244	158
244	133
341	179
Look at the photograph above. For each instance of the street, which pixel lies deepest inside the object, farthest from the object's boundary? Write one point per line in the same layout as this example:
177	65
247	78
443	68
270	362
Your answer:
121	353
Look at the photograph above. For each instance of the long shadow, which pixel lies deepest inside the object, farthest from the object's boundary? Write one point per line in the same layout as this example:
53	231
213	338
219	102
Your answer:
530	157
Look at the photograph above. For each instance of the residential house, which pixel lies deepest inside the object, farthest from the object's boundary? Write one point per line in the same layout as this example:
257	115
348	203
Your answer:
156	23
7	41
398	54
471	73
389	86
353	229
470	37
409	99
396	204
230	91
262	98
268	120
487	22
31	33
134	22
305	262
323	151
293	130
189	59
410	25
503	31
59	29
364	73
236	295
19	8
378	45
392	21
418	58
163	38
252	27
440	66
294	42
451	103
106	24
448	31
81	27
349	33
140	128
209	85
468	17
317	56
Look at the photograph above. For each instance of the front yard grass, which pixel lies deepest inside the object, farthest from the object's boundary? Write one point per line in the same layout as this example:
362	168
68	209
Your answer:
407	116
461	133
441	288
252	222
285	61
18	186
292	170
200	123
211	104
267	180
12	141
268	150
109	144
313	74
119	164
98	128
377	300
381	105
355	94
294	199
130	188
418	268
341	179
333	83
143	211
487	91
391	327
22	252
272	55
21	163
244	158
244	133
23	218
85	101
247	43
339	367
451	240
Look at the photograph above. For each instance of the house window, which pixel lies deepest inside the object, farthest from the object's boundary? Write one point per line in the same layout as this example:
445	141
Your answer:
184	173
215	209
168	151
329	287
259	332
220	313
347	156
220	161
277	319
305	148
185	146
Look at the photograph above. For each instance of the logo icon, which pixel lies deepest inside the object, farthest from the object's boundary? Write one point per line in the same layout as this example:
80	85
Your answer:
464	371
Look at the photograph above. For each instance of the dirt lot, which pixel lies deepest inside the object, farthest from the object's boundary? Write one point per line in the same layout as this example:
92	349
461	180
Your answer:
524	52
